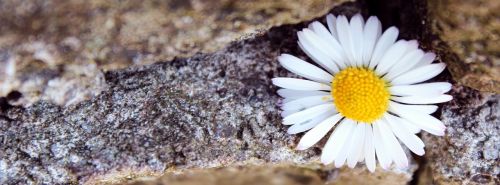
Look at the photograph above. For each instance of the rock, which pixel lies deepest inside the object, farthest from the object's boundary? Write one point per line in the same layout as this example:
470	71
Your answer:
56	49
470	30
209	116
468	154
274	175
210	110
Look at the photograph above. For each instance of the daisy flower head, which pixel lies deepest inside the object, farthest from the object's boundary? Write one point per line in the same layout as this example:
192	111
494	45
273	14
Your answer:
367	86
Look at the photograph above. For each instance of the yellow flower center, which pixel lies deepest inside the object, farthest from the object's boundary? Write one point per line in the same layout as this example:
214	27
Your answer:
359	94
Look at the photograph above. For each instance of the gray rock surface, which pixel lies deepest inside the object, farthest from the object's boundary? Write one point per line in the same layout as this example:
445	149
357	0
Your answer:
469	154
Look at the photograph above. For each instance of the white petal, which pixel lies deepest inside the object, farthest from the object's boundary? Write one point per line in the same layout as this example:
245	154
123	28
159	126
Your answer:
425	109
334	51
331	49
404	135
356	27
406	63
319	131
371	33
302	68
305	126
398	154
307	114
383	43
342	155
306	102
299	84
419	74
286	100
393	54
425	89
412	46
316	54
331	21
287	113
409	126
426	60
434	127
424	121
369	149
343	32
361	153
383	154
357	141
423	99
296	94
336	141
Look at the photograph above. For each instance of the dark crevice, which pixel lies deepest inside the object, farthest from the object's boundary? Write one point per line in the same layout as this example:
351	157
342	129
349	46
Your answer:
388	11
14	96
4	104
421	162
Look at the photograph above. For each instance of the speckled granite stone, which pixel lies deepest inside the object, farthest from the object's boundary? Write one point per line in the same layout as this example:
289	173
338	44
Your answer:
469	153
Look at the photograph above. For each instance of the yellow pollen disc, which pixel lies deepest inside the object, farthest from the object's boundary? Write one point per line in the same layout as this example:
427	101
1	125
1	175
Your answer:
359	94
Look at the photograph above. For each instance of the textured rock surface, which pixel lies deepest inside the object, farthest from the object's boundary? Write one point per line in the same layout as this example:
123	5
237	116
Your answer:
469	154
471	29
275	175
240	175
210	110
53	50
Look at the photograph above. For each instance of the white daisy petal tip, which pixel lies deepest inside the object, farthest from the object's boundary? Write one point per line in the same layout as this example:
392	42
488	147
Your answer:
441	132
330	16
325	162
445	87
412	45
356	60
429	57
371	169
420	153
403	165
385	166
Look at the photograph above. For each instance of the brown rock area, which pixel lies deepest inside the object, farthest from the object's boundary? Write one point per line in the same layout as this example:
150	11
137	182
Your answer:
471	29
274	175
240	175
55	50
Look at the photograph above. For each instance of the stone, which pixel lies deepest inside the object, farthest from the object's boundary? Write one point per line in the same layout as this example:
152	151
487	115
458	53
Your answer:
111	115
274	175
207	111
470	30
55	50
468	154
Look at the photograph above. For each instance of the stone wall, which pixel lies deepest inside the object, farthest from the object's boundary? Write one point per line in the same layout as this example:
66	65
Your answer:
204	117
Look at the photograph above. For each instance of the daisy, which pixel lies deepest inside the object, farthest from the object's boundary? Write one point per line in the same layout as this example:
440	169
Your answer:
365	84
